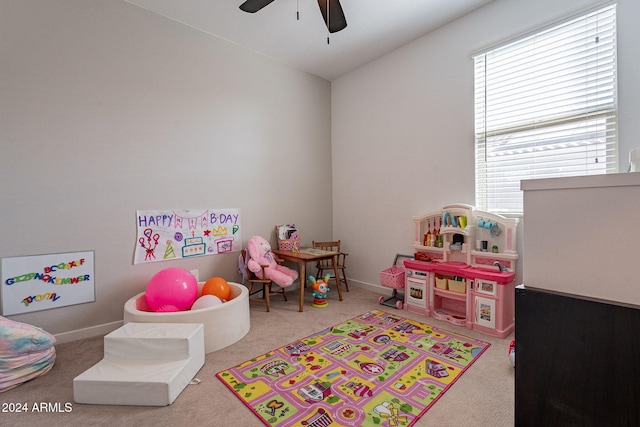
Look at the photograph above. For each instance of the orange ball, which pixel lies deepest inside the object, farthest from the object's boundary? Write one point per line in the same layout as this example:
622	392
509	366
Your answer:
217	286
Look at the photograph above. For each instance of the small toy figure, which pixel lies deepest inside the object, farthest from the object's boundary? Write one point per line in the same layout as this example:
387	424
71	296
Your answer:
512	353
320	289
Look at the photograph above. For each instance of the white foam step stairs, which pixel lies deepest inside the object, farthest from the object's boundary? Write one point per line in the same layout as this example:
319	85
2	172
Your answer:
144	364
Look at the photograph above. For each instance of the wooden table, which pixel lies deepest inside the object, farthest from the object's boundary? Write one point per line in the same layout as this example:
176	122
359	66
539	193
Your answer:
304	256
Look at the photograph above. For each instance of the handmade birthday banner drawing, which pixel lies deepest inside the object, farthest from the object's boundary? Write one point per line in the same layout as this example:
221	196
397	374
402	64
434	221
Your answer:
173	234
41	282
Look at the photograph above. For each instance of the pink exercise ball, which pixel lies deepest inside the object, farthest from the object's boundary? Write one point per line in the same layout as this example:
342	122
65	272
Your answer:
171	289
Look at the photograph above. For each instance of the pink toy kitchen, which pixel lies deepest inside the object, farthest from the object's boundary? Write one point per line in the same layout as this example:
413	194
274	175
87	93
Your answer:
463	270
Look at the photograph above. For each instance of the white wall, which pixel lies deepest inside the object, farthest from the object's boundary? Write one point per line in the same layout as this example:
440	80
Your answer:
107	108
99	99
402	126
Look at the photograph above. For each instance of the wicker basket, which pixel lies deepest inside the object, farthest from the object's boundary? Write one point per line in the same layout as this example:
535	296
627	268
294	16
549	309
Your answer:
393	277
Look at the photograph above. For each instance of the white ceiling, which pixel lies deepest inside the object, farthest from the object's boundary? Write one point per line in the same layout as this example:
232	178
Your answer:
374	28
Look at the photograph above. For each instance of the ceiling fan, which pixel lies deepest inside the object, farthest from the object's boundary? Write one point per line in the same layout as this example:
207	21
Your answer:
331	12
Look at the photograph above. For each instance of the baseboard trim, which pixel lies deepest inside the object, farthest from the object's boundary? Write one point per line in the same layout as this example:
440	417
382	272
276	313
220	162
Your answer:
101	330
93	331
369	286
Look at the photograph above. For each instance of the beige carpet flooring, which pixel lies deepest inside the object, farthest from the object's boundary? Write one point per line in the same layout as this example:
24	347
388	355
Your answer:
483	396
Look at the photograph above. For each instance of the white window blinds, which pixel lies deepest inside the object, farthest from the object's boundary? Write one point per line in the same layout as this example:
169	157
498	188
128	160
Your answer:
545	106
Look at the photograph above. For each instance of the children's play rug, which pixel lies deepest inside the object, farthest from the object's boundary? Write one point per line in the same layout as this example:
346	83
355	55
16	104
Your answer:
377	369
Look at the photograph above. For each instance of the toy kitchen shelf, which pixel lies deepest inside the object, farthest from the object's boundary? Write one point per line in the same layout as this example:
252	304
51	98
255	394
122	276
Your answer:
458	233
464	269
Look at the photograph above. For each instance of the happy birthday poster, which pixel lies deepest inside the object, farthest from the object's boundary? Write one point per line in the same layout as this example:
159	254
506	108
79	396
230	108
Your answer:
173	234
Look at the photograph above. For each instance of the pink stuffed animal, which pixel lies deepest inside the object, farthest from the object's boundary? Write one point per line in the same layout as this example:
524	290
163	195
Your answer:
260	254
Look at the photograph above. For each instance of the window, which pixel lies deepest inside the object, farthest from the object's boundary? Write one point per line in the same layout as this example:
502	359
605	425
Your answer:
545	106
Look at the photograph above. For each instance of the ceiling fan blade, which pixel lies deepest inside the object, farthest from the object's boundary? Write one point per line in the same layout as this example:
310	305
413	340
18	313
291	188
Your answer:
252	6
335	18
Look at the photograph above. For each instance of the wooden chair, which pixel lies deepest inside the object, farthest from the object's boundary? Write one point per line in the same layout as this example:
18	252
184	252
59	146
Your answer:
326	265
261	286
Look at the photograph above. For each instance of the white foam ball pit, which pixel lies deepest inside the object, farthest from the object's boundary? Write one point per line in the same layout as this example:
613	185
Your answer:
224	324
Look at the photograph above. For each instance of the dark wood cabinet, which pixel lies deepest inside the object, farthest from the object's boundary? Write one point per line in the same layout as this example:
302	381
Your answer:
577	361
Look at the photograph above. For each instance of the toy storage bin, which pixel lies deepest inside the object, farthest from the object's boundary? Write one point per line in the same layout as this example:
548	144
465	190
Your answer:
393	277
288	237
289	244
441	283
457	285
